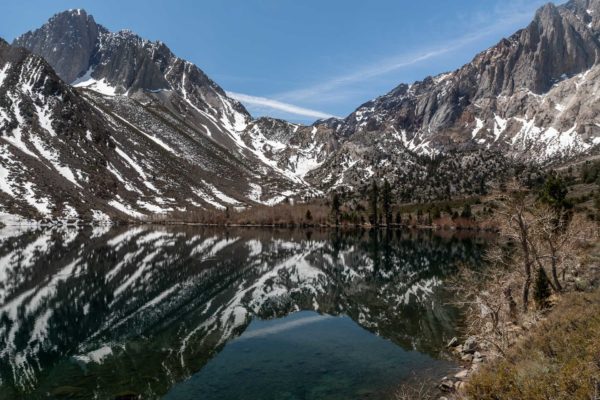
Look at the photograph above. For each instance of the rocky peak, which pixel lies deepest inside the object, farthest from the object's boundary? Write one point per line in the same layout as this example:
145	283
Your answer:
67	41
531	96
126	62
547	12
122	63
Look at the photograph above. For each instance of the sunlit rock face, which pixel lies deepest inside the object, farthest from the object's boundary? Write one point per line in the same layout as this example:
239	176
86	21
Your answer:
162	302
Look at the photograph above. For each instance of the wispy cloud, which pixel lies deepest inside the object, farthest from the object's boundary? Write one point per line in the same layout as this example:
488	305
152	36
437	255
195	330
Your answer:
505	17
279	105
514	14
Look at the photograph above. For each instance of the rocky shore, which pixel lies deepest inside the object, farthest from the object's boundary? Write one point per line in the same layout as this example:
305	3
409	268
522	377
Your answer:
471	355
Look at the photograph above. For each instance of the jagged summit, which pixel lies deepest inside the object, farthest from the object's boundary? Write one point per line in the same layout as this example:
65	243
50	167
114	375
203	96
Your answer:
75	32
124	64
117	62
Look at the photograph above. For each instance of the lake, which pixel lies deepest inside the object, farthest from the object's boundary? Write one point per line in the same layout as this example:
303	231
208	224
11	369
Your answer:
225	313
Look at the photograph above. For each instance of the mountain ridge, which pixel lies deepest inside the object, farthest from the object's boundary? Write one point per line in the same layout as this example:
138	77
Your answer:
454	134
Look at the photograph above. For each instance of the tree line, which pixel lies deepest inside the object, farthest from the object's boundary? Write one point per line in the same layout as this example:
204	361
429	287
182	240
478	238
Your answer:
381	202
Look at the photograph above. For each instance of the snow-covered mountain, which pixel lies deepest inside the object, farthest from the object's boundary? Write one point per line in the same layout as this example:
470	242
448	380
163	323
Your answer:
144	115
533	98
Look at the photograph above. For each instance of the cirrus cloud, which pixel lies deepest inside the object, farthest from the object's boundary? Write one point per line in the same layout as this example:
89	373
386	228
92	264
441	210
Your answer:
279	105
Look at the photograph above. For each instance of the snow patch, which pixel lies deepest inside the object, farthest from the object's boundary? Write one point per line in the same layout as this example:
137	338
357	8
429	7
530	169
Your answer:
4	73
101	86
52	156
499	126
478	127
125	208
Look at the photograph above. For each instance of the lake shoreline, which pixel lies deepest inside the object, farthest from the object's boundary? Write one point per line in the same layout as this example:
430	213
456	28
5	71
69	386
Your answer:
509	338
365	227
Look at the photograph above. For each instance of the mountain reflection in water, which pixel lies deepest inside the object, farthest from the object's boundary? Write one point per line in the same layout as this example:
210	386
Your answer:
130	311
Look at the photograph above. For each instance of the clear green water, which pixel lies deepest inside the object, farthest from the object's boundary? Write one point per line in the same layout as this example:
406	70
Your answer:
199	313
306	356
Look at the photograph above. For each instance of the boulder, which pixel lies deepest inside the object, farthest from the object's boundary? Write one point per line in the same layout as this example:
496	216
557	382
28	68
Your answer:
447	385
470	345
462	374
478	357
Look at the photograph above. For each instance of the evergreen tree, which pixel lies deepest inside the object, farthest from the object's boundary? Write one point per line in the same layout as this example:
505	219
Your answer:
335	207
419	216
373	203
448	209
466	211
554	192
386	202
541	290
308	215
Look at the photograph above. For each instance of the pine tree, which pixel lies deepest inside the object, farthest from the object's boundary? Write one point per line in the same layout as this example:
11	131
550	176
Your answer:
308	215
466	211
335	207
541	290
373	204
554	192
386	202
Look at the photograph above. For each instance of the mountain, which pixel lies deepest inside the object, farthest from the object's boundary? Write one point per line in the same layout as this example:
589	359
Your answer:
531	99
145	115
54	146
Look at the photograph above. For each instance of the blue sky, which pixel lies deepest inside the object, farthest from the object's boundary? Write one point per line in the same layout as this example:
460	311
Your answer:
302	60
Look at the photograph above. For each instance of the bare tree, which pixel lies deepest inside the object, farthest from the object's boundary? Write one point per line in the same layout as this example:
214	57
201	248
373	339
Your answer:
487	294
515	221
553	235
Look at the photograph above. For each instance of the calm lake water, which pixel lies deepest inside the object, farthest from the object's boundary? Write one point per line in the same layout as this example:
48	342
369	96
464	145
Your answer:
206	313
